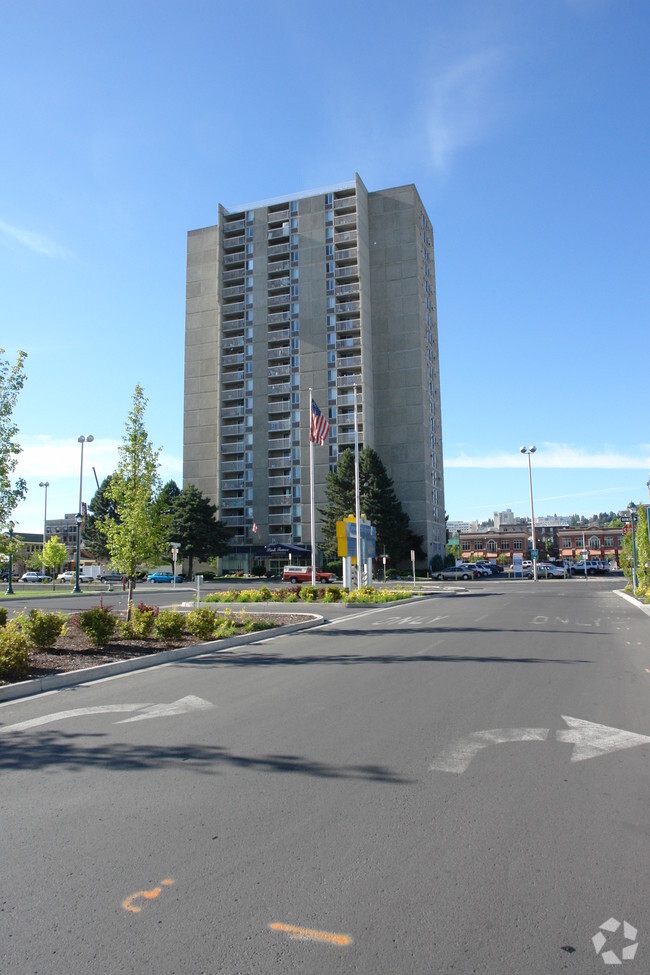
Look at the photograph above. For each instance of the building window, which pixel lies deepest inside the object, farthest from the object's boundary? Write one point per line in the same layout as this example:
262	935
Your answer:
517	545
467	547
505	546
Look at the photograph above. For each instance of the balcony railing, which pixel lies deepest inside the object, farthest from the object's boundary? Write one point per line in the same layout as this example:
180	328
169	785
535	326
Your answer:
348	362
278	317
283	353
273	284
279	501
235	275
277	233
279	482
279	406
231	394
347	399
229	325
237	485
234	258
232	360
279	372
276	249
279	463
232	226
346	254
232	377
348	325
348	380
232	503
234	291
274	266
274	215
278	519
230	242
345	271
347	289
279	426
232	307
232	448
279	443
277	389
351	343
275	300
233	430
235	343
346	220
232	466
346	237
232	412
348	306
279	334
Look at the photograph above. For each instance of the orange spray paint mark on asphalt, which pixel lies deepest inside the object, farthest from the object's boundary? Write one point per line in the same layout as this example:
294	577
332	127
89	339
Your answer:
308	934
149	895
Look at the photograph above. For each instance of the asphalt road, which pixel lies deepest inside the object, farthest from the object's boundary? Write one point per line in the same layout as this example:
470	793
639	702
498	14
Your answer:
327	802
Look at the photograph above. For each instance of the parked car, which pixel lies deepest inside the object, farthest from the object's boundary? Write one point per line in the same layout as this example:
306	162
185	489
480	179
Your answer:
485	567
302	573
70	575
578	568
111	576
35	577
163	577
547	570
467	571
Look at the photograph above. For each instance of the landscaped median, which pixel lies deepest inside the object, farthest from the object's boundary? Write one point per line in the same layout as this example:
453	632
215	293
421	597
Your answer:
40	651
308	594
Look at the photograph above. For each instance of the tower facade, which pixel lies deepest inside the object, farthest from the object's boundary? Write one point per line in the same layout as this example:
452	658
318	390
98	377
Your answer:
322	290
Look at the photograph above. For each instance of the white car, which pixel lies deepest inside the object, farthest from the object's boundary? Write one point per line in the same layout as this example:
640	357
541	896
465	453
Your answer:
550	571
67	576
34	577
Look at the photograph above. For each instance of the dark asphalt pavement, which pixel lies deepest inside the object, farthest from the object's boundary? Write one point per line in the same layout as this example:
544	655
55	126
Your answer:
336	808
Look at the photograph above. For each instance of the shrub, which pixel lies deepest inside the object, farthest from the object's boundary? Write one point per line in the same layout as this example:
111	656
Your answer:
201	622
97	623
223	628
265	593
14	651
332	594
3	616
308	593
169	624
142	621
43	629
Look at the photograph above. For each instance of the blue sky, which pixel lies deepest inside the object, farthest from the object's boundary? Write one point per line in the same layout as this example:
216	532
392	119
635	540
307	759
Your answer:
524	125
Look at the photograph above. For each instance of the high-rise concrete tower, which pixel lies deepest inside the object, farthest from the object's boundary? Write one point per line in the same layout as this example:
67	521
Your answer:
322	289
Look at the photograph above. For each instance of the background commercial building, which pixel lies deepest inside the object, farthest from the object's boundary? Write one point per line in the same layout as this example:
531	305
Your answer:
325	289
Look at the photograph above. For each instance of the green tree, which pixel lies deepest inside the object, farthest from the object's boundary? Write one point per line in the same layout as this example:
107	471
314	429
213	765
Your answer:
643	549
136	536
378	501
192	522
12	379
54	554
102	509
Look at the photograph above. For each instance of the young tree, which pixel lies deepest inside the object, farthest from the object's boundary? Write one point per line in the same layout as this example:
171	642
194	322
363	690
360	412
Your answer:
54	554
135	537
192	522
12	379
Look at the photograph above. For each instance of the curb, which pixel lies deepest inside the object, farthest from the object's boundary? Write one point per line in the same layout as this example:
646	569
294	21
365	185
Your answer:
631	599
28	688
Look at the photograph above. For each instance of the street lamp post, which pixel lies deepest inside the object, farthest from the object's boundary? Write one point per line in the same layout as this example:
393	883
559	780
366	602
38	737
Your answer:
632	509
10	590
44	484
528	451
79	516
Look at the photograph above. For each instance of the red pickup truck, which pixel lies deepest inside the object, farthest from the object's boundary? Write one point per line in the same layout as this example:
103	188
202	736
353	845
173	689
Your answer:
302	573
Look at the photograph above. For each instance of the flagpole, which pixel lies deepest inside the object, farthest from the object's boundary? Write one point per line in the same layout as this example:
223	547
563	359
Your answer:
311	495
357	502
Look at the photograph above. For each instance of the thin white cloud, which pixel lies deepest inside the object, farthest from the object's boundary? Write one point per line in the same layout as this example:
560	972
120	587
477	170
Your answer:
35	242
47	458
464	105
560	456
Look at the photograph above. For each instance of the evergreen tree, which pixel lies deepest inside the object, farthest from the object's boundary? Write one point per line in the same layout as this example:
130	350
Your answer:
378	502
192	521
102	509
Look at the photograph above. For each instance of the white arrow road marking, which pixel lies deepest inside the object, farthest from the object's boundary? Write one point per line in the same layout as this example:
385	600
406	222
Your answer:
590	740
458	756
182	706
75	713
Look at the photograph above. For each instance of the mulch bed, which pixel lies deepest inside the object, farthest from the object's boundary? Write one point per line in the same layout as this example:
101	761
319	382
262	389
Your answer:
74	651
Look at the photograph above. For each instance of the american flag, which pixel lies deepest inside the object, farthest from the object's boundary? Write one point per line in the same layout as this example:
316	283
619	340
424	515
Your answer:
319	428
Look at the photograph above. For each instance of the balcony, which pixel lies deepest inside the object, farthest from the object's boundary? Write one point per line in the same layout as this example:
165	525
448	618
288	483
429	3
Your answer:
273	216
276	300
275	284
346	254
235	275
233	226
279	482
279	406
237	485
348	380
348	325
278	233
233	430
230	325
233	521
347	399
279	443
228	395
233	307
232	412
344	307
234	258
280	426
277	389
278	519
232	467
277	250
348	362
347	271
280	463
347	202
232	448
280	372
275	355
235	359
347	289
235	291
351	343
346	220
279	335
274	267
231	242
346	237
232	377
231	503
278	317
279	501
235	343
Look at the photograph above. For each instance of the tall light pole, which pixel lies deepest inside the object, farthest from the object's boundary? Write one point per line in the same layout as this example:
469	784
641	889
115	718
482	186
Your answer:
10	590
44	484
528	451
79	516
632	509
